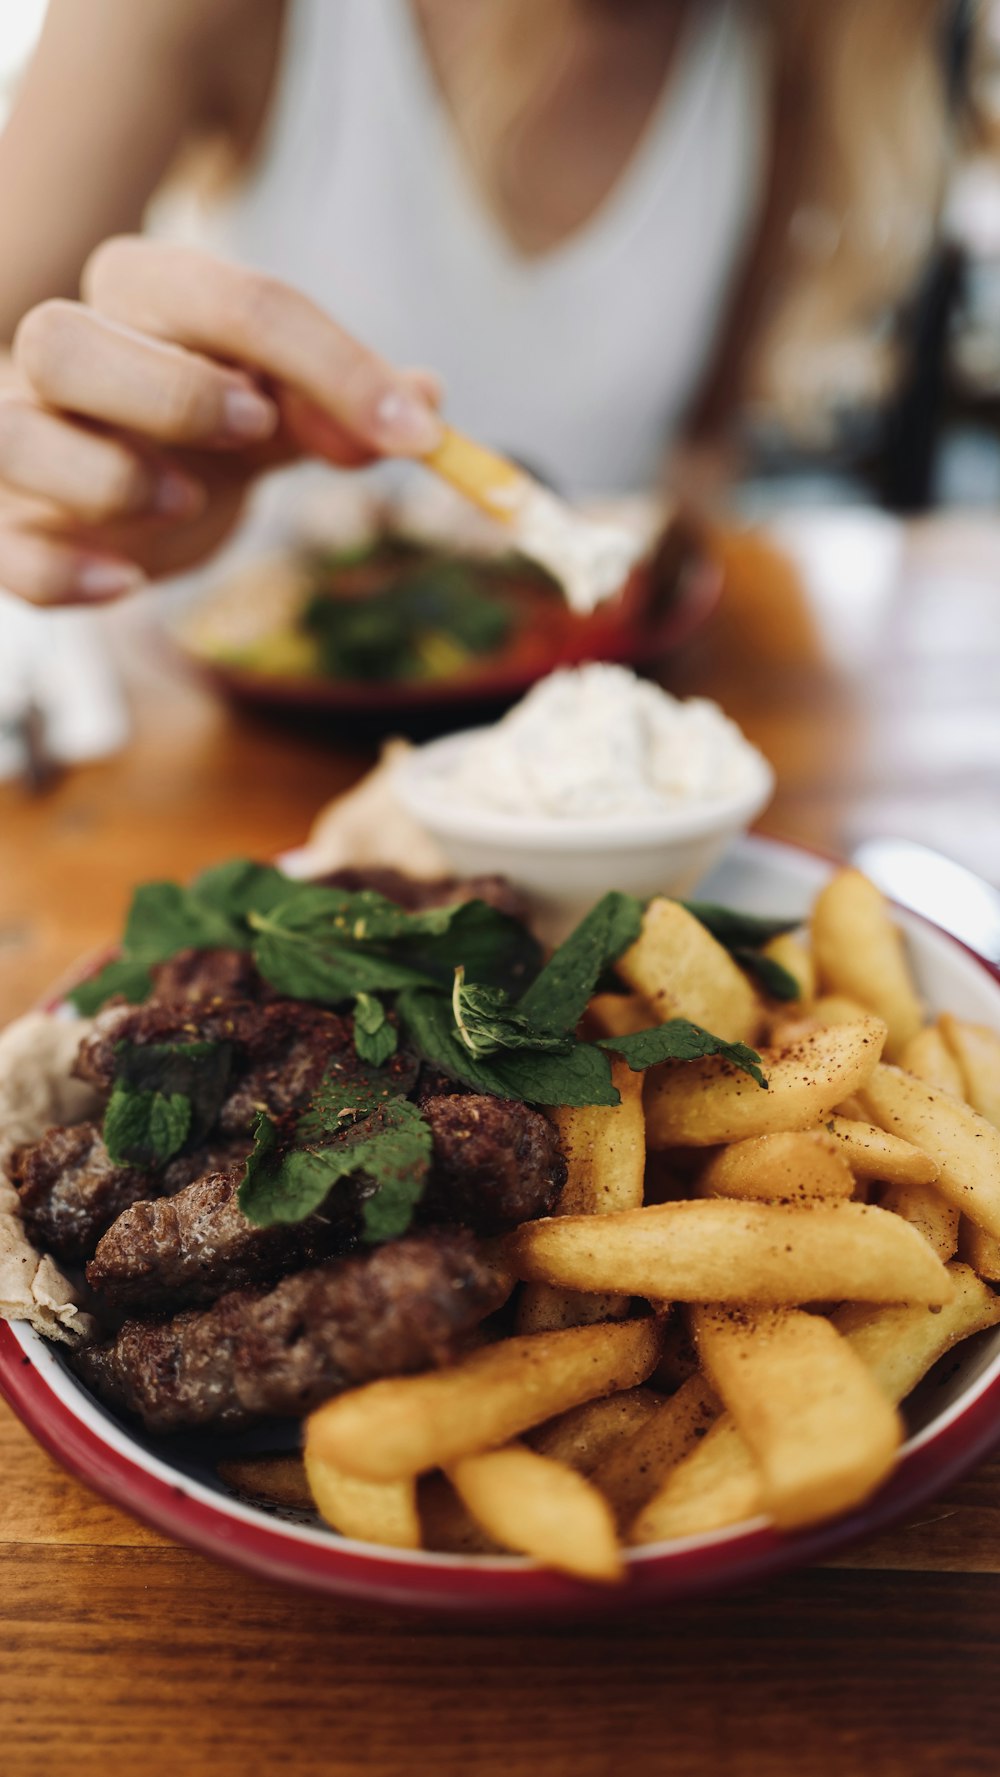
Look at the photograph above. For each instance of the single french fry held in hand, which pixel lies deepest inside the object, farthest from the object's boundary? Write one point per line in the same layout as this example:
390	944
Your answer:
976	1050
539	1507
859	953
927	1055
979	1249
721	1250
792	953
900	1343
583	1437
716	1484
926	1210
965	1145
372	1511
278	1479
390	1430
790	1166
683	972
605	1150
872	1153
703	1103
636	1466
821	1431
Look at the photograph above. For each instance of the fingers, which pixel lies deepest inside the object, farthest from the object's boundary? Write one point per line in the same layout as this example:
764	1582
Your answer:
95	478
214	307
87	364
49	571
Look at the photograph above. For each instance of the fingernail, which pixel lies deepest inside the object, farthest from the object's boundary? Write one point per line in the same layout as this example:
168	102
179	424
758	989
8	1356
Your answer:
405	423
175	496
107	579
248	414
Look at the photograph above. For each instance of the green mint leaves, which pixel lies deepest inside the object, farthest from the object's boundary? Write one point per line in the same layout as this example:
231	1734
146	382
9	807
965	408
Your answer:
166	1096
680	1040
559	995
743	934
375	1039
351	1130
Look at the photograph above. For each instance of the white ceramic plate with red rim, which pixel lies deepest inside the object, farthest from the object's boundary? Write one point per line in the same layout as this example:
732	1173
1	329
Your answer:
954	1419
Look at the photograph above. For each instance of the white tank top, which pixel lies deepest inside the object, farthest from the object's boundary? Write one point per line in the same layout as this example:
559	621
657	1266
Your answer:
580	360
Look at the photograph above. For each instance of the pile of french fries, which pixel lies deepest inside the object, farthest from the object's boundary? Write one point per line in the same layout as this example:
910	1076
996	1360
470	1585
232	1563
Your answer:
740	1287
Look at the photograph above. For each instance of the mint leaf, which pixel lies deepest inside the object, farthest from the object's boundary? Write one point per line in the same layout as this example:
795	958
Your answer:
559	995
123	976
390	1147
773	977
680	1040
239	887
732	927
165	918
309	957
198	1073
578	1074
145	1128
375	1039
486	1020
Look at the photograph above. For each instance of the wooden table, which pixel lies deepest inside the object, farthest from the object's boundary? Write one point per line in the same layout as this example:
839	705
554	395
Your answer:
878	698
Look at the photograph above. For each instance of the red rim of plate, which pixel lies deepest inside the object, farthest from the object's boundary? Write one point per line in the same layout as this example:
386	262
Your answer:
629	643
324	1563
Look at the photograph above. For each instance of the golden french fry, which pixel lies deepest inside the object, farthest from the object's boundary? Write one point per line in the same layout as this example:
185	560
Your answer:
788	1167
582	1437
277	1480
539	1507
965	1146
390	1430
480	474
837	1008
927	1055
619	1014
859	953
371	1511
702	1103
976	1050
873	1153
926	1210
820	1429
717	1484
980	1250
605	1151
634	1468
721	1250
683	972
446	1524
899	1344
793	954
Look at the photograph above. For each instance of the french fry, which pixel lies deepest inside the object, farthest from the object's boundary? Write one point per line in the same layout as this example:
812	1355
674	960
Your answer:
873	1153
605	1151
539	1507
820	1429
583	1437
276	1480
371	1511
859	953
927	1055
787	1167
900	1344
683	972
721	1250
793	954
965	1146
837	1008
446	1524
619	1014
980	1250
717	1484
480	474
635	1467
926	1210
703	1103
390	1430
976	1050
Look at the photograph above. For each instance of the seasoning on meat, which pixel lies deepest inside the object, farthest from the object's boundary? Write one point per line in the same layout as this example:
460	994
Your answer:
495	1162
187	1248
403	1307
71	1190
200	975
286	1055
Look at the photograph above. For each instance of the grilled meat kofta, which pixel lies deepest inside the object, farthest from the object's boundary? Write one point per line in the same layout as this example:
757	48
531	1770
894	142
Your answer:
403	1307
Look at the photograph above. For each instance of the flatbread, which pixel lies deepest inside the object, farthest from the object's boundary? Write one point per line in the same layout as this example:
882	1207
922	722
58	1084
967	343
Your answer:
36	1054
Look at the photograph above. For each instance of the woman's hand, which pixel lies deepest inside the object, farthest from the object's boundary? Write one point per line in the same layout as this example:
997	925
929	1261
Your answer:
139	417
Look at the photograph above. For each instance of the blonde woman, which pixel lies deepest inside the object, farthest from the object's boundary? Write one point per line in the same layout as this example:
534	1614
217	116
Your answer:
602	223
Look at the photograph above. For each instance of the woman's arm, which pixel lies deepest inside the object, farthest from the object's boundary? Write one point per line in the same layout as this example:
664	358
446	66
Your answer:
113	91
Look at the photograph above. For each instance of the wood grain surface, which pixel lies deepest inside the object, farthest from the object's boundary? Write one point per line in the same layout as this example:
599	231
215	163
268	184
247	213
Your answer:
874	685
